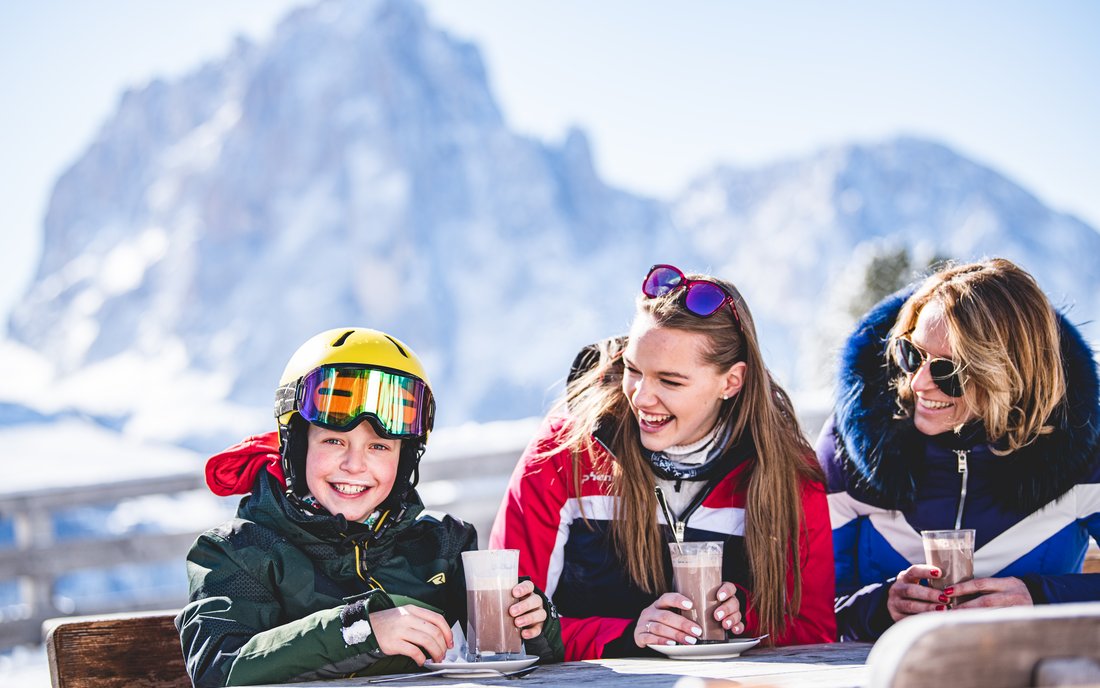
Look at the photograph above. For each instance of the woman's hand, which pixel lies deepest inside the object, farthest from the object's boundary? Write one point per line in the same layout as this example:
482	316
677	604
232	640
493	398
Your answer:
412	631
992	592
528	613
728	612
908	597
661	622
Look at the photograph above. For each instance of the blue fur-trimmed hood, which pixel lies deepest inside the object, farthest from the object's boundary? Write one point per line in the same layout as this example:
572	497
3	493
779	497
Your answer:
880	454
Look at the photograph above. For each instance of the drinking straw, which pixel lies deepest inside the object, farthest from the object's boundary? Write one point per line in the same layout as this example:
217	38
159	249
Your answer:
677	533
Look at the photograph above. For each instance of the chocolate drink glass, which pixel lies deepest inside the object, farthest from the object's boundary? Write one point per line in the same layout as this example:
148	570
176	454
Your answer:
491	633
952	552
697	574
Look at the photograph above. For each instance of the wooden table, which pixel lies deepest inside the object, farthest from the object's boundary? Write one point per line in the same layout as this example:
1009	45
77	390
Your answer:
836	665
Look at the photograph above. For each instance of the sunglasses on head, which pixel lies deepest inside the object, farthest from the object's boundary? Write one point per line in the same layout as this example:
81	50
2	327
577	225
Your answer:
702	297
338	397
944	371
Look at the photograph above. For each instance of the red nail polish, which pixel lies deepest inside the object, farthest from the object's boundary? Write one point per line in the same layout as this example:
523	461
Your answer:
940	607
948	591
935	573
943	598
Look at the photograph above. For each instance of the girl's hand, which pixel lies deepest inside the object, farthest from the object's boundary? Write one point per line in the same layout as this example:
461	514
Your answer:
728	612
412	631
659	624
908	597
528	613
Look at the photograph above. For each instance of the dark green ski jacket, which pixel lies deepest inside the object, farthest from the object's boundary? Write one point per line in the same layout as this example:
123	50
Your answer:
268	590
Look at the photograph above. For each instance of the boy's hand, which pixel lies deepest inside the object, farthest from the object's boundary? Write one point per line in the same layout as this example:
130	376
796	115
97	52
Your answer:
411	631
528	613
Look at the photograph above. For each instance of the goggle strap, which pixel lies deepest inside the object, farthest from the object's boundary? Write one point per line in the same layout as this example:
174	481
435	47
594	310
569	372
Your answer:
286	398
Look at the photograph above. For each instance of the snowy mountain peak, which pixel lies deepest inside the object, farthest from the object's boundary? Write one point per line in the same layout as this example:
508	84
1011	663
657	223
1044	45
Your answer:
354	169
357	169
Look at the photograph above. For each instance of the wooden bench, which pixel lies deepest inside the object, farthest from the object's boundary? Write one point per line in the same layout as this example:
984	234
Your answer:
115	651
1051	645
1092	560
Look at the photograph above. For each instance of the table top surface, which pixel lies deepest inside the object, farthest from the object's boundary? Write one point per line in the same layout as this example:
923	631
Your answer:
835	665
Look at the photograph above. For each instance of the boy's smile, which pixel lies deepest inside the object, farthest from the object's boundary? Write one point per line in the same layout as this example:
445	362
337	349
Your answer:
351	472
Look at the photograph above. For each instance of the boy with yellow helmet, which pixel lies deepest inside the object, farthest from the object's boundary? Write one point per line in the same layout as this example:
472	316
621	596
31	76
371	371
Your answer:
333	567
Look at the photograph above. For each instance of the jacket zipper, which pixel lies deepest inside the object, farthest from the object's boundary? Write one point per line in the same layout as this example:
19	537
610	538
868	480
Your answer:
361	552
680	524
359	556
961	455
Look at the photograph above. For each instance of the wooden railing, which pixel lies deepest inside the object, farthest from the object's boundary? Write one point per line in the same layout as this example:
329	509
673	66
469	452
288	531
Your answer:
467	482
470	486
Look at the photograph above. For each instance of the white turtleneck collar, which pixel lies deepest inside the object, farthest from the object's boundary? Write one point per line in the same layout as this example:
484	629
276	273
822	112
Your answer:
695	453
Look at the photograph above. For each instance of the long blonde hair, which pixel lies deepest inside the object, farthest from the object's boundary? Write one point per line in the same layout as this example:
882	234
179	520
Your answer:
1004	336
761	413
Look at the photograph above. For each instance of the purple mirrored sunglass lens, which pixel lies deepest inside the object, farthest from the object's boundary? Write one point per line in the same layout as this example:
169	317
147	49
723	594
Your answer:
703	298
661	281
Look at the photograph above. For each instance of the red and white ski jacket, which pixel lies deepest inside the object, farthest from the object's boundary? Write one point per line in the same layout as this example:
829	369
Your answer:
575	563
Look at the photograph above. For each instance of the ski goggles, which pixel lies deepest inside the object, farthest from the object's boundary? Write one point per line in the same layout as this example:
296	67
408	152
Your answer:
338	397
701	297
944	371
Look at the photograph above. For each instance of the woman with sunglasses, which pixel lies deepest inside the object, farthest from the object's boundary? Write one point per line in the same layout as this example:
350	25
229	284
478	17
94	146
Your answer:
965	404
680	417
333	567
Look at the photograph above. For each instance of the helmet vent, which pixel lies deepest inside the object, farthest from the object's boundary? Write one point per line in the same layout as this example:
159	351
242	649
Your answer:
403	353
343	338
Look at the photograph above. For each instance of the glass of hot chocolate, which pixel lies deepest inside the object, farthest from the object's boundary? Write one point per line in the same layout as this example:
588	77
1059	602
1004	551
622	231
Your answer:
697	574
491	633
952	552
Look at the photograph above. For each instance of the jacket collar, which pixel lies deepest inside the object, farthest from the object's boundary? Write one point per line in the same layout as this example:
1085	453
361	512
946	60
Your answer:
269	505
716	466
880	455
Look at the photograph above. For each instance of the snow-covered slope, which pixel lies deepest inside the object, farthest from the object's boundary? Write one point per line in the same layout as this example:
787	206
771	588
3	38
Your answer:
356	169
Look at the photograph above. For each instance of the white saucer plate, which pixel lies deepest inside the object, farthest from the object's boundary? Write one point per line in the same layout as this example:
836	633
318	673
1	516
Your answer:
484	669
730	648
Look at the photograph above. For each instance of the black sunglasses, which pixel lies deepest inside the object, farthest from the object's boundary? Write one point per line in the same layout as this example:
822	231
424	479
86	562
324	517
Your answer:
944	371
702	298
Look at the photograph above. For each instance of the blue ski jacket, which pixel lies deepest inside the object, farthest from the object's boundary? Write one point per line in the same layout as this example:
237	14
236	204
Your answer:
1034	510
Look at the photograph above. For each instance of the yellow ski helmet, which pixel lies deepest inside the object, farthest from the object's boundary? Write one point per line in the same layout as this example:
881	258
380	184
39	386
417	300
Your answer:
341	377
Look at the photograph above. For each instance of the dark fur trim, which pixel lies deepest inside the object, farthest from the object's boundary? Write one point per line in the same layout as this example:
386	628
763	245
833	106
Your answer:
880	454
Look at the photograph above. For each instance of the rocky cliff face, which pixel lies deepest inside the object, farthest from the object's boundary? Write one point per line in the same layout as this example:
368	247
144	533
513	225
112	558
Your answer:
356	169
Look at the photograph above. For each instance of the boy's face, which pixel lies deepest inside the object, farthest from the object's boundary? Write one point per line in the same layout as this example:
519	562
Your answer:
350	473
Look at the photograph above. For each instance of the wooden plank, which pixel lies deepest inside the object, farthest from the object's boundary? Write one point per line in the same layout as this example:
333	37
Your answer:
447	467
116	652
1092	560
20	632
1067	672
51	498
29	630
67	556
983	647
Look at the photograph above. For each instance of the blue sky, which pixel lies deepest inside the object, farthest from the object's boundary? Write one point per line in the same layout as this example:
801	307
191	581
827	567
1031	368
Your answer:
664	90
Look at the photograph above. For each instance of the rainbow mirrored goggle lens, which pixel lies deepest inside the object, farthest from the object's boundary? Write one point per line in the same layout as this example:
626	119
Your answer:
340	396
702	298
944	372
